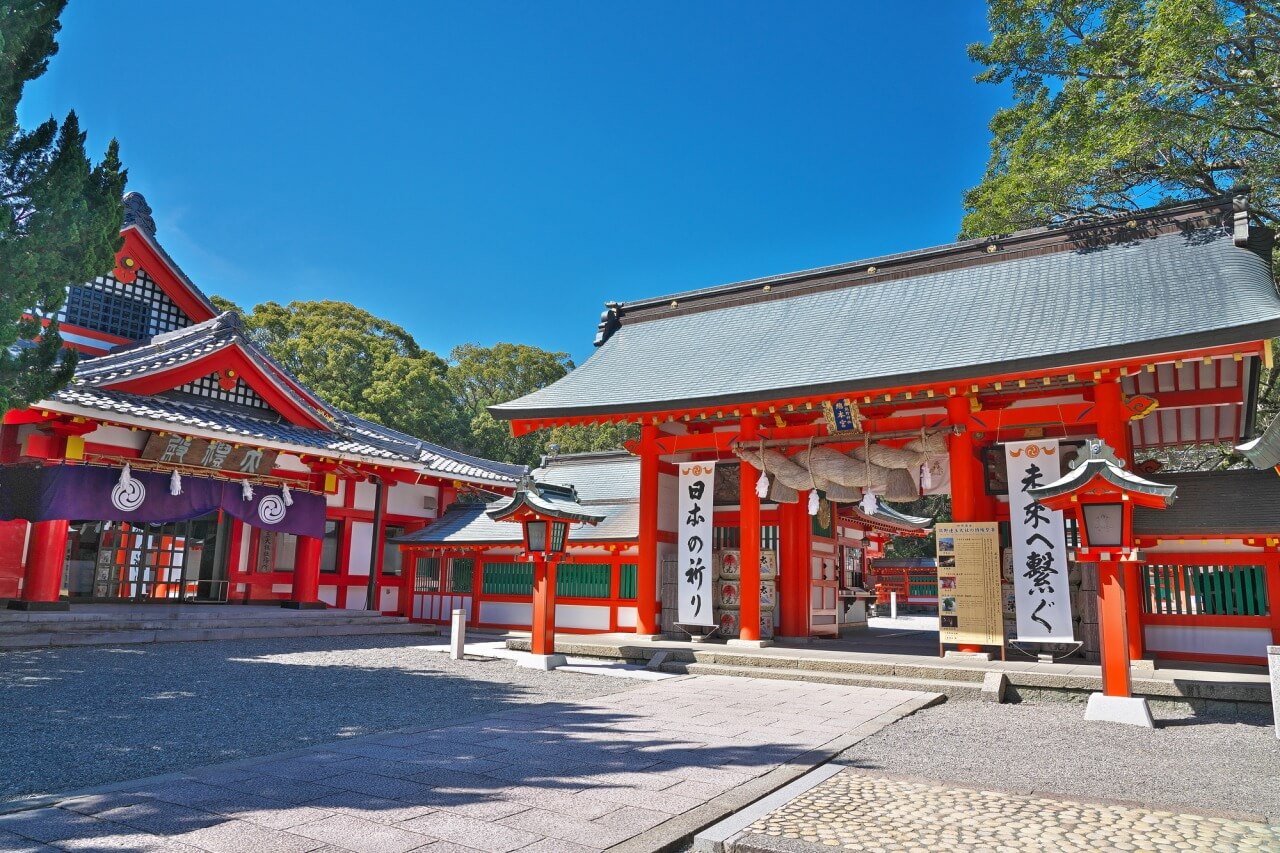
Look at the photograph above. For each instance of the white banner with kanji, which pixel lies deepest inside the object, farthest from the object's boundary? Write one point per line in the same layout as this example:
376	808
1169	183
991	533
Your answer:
694	544
1042	594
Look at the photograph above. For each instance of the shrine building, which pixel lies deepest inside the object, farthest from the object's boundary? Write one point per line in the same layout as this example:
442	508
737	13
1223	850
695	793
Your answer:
467	561
942	370
183	463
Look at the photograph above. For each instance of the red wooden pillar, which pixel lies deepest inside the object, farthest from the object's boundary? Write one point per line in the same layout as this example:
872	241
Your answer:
46	557
408	575
967	498
306	576
544	607
1113	428
966	492
1115	645
749	542
1271	572
477	585
795	569
647	561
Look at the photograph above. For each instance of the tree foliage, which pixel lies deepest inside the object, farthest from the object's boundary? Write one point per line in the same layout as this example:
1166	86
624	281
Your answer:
358	362
1125	104
374	368
60	215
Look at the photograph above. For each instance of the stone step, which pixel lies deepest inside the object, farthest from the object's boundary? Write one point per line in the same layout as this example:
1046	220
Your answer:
850	666
189	634
947	687
8	628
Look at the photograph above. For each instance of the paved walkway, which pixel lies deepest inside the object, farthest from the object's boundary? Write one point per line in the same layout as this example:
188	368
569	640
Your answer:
857	811
629	769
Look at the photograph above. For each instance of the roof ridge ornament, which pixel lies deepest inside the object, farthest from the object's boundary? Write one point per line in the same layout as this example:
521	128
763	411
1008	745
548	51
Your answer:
138	213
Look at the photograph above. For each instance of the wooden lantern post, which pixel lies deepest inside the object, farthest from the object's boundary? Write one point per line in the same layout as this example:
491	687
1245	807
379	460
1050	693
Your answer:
1101	495
546	511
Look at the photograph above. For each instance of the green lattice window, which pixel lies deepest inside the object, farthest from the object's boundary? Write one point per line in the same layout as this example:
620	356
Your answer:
426	576
1210	590
583	580
627	581
460	574
507	579
728	537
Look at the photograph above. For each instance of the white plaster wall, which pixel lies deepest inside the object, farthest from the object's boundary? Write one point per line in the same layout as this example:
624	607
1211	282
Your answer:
364	495
668	501
329	595
388	598
282	587
1251	642
359	540
627	617
407	499
336	498
589	617
289	462
356	597
506	613
119	437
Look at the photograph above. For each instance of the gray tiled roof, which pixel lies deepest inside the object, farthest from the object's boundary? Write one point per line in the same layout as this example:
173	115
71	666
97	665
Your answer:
611	476
607	483
467	524
1264	451
1213	503
350	434
840	331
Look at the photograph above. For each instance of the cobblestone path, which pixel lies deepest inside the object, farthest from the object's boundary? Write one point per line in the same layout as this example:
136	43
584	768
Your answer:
855	811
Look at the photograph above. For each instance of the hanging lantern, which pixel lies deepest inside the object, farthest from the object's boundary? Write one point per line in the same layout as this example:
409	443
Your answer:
285	495
175	484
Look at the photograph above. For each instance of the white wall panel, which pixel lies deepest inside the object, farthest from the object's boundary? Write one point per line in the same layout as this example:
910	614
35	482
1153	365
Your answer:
359	540
506	613
1246	642
584	616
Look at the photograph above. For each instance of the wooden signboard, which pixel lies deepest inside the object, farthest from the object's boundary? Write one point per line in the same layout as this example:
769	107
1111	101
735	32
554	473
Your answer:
214	455
969	599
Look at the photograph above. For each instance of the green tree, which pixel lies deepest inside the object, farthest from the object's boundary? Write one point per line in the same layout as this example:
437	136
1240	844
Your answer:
1124	104
60	215
485	376
358	362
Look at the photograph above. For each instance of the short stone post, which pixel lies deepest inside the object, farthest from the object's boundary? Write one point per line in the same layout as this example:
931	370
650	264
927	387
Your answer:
458	639
893	604
1273	659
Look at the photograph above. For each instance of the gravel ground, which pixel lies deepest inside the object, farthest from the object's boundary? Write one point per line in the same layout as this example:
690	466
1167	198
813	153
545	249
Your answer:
77	717
1200	763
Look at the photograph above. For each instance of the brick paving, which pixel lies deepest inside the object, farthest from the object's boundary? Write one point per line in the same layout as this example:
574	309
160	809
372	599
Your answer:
857	811
561	776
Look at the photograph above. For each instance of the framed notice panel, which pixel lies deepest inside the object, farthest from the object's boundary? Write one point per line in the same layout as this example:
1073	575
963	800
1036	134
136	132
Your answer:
969	584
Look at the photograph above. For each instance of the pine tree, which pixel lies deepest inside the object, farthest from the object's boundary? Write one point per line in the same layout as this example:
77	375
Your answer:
60	215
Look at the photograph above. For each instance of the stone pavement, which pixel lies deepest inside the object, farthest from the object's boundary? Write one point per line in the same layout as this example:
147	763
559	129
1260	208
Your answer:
853	810
633	770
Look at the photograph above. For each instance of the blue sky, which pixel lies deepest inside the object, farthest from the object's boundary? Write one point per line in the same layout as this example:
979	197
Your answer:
485	172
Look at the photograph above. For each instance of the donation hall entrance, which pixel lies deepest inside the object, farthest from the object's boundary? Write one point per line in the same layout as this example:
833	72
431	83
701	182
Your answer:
142	562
